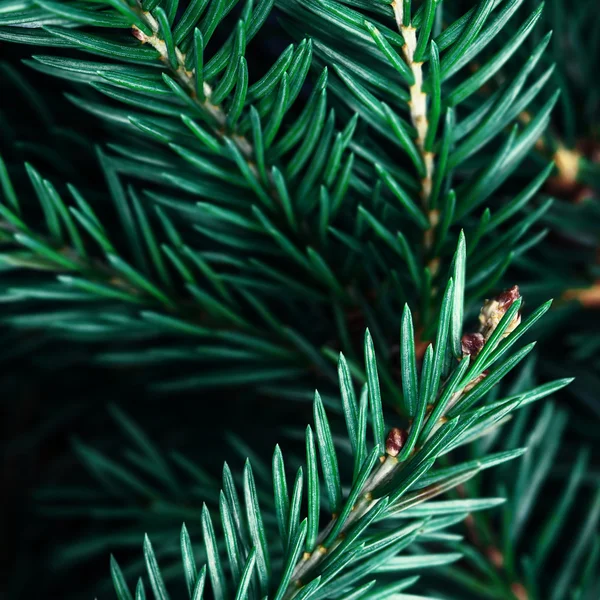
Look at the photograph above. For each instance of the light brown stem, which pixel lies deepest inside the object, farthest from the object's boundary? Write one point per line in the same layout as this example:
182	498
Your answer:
418	99
187	79
365	503
588	297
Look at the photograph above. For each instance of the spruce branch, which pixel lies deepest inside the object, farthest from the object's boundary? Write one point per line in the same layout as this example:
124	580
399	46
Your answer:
254	239
469	122
160	37
394	479
314	193
389	224
224	132
66	251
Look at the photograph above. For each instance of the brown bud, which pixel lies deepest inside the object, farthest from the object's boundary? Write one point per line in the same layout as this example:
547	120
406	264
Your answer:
395	441
472	343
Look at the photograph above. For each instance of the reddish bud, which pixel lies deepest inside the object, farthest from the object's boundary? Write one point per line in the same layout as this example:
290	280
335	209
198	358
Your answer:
395	441
138	34
472	343
507	297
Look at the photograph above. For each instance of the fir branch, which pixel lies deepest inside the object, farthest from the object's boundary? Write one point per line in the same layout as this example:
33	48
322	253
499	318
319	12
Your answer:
319	207
330	271
388	484
199	92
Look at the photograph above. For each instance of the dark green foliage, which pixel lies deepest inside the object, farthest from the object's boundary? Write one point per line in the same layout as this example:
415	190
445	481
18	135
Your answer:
402	485
521	561
267	186
255	217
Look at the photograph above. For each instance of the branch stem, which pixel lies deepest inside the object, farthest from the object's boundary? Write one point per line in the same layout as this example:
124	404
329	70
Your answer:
418	99
187	79
310	561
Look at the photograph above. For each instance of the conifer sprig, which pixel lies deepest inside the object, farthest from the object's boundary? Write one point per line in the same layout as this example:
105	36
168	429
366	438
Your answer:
393	478
449	95
327	184
266	235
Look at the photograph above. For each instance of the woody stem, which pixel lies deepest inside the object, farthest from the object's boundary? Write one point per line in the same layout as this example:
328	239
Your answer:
418	98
